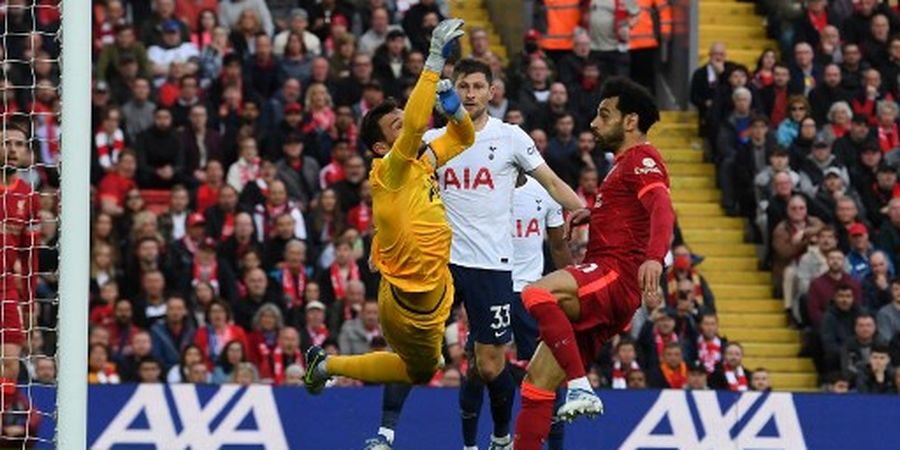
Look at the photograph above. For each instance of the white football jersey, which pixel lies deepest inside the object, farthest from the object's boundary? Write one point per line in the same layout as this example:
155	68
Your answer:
477	190
533	212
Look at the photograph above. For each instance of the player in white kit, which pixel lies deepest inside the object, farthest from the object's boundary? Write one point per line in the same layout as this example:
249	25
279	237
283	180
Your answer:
477	190
537	219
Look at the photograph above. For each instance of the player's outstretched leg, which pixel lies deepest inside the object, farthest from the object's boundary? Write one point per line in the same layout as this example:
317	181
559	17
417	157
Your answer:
557	333
375	367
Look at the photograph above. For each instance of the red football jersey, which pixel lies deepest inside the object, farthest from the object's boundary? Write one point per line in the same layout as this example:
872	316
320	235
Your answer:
620	223
19	208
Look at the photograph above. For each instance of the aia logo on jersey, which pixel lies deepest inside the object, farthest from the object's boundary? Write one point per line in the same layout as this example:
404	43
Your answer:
527	229
649	166
469	179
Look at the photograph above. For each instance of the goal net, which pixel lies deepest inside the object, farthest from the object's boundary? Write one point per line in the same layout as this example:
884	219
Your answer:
32	234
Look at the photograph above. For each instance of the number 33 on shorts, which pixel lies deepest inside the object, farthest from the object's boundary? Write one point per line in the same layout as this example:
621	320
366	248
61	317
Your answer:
501	320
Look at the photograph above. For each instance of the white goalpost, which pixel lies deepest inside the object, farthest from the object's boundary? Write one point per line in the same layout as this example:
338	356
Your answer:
75	225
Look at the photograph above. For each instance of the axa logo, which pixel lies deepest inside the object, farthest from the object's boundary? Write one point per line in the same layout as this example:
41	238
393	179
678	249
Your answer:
468	178
222	420
742	426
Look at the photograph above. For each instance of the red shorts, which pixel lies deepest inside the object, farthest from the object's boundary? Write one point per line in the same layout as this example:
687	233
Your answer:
608	302
11	323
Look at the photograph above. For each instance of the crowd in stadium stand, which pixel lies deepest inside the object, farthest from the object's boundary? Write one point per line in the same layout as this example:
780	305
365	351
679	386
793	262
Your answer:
232	214
807	147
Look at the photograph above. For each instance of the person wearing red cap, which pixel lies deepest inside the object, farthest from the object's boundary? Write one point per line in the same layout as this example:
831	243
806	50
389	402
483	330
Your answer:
861	249
182	251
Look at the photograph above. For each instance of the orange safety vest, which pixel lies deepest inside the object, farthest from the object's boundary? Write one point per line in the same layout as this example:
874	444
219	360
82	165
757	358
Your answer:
643	34
562	18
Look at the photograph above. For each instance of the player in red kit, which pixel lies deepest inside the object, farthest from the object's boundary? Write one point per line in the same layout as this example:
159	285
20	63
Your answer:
581	307
19	207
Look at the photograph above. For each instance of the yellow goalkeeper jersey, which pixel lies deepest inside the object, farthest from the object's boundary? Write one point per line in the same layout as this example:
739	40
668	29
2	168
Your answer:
411	245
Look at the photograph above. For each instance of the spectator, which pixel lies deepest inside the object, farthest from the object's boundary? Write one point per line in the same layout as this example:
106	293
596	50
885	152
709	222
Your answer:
774	97
348	188
849	148
889	314
709	343
124	47
231	11
624	361
824	288
812	22
875	44
876	377
150	303
349	89
837	383
697	378
245	374
263	336
247	167
806	74
891	68
730	374
100	369
764	75
876	284
219	331
535	91
116	185
571	65
789	128
298	24
828	93
233	354
655	335
752	158
853	67
174	334
887	129
286	353
173	48
682	270
839	117
820	159
257	295
159	152
830	50
198	374
857	348
138	110
734	132
356	334
212	56
140	348
149	370
672	371
316	331
789	241
609	25
636	379
201	143
860	251
837	325
283	232
760	381
293	278
868	97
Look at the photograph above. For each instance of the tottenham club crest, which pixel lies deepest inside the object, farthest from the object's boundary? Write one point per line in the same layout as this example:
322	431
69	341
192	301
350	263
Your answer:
649	166
492	149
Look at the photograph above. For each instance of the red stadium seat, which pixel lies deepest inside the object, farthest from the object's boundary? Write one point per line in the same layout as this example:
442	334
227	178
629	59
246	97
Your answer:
156	200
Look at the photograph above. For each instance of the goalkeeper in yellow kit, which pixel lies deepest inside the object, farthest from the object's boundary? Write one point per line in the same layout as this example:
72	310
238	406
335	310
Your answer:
411	245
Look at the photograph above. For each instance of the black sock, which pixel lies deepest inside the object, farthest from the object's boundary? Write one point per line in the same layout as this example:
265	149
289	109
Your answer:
471	397
392	403
501	391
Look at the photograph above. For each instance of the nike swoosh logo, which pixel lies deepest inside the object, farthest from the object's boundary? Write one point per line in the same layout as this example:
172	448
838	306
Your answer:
499	333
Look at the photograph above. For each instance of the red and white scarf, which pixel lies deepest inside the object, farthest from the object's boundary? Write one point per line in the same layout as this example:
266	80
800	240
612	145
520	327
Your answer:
269	213
709	352
317	334
249	170
660	343
48	132
208	273
618	375
278	365
737	380
109	147
293	286
338	282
